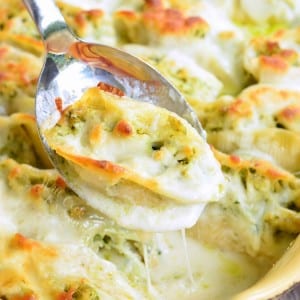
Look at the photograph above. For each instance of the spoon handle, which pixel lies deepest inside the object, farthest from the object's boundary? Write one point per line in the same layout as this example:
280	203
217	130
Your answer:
50	23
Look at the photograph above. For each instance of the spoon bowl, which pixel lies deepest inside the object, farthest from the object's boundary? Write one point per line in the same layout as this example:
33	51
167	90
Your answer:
72	66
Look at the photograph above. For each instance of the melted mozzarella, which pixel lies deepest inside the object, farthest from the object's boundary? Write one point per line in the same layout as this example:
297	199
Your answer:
36	270
167	271
19	214
161	171
209	268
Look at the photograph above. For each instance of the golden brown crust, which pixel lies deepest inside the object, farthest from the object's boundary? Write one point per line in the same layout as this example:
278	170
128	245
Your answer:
81	20
273	63
60	182
154	4
17	67
36	191
257	107
95	134
163	21
172	21
271	58
238	109
108	169
123	128
290	113
18	29
261	167
23	243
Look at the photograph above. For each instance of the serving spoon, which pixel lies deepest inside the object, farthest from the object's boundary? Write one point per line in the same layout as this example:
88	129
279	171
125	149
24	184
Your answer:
72	66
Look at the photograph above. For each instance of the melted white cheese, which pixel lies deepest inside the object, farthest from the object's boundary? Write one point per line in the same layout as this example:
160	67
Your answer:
211	269
164	192
18	214
166	218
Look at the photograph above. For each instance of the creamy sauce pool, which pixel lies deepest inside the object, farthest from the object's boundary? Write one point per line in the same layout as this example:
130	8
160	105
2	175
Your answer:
216	274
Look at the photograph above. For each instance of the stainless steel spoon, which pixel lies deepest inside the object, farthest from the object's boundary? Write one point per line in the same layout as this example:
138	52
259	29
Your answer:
72	66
